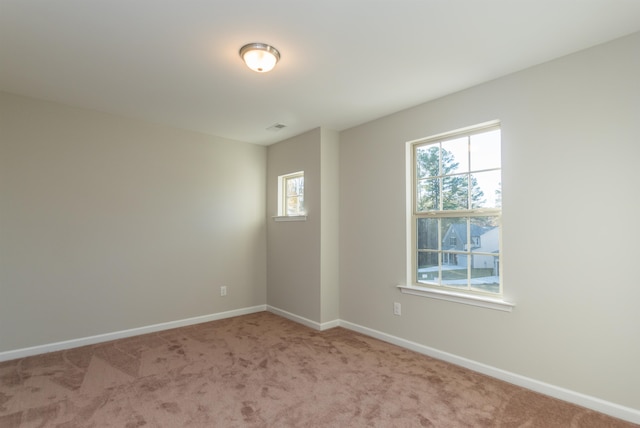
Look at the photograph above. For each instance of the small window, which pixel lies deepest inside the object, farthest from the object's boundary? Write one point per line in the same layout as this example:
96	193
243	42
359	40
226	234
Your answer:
456	211
291	195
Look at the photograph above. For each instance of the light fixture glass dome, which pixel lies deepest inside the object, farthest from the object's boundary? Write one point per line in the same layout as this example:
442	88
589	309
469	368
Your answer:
259	57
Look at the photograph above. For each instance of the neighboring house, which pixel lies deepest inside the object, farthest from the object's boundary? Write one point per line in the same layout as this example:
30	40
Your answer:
482	240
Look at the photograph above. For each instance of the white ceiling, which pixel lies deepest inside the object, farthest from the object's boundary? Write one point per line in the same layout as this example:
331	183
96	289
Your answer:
344	62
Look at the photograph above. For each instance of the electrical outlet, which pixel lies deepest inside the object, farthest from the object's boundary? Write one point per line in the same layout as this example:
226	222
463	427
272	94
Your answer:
223	290
397	308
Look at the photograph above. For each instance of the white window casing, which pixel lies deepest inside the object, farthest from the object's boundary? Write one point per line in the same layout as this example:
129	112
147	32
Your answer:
454	217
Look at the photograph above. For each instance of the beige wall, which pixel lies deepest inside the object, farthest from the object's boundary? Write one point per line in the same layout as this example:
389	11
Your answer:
330	226
302	256
109	224
570	160
293	248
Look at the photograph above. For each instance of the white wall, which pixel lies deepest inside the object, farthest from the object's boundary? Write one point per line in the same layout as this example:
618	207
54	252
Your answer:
570	158
109	224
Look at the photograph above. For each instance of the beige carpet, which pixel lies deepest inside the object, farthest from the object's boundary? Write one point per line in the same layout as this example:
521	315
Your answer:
261	370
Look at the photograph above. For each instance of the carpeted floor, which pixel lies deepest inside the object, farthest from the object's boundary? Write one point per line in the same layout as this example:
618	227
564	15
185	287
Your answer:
261	370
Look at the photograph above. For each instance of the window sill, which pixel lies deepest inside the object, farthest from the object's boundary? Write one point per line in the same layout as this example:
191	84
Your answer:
290	218
452	296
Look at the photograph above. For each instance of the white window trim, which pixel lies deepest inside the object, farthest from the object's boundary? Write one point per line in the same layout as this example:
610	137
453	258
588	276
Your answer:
289	218
282	199
464	298
480	300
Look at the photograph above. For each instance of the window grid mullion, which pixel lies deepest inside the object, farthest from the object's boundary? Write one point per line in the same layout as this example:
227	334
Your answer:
440	255
440	178
468	252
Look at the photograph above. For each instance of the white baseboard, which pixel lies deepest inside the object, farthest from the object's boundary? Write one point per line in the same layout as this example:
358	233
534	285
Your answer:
593	403
304	321
74	343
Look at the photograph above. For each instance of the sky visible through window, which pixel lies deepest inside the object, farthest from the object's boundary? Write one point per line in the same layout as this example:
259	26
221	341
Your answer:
477	153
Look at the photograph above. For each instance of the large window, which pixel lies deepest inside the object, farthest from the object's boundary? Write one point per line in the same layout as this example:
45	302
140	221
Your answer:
456	211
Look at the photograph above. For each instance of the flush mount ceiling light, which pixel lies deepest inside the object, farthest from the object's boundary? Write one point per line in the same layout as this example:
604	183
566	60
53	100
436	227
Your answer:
259	57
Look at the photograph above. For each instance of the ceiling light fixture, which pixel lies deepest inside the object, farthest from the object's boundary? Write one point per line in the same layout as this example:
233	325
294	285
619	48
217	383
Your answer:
259	57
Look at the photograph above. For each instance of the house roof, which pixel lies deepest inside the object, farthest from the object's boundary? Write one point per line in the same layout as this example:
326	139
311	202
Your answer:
460	230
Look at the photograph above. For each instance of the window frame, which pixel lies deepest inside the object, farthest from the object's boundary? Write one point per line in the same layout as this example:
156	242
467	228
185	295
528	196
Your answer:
438	290
283	198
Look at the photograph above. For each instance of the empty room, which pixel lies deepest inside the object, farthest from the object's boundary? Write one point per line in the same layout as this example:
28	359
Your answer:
336	214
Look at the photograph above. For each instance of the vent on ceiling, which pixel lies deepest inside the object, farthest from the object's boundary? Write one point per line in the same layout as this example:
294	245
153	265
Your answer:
276	127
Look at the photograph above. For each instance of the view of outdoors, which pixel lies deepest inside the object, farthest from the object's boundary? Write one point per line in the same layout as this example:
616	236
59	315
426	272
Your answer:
458	200
294	194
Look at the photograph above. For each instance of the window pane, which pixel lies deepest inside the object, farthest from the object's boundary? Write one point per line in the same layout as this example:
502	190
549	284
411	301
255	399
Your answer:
428	270
295	205
485	150
427	230
455	156
486	189
454	233
292	197
455	193
485	235
485	274
428	194
454	269
427	161
295	186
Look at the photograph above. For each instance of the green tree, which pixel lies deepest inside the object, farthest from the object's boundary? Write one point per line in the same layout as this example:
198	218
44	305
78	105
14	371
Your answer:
498	193
453	190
